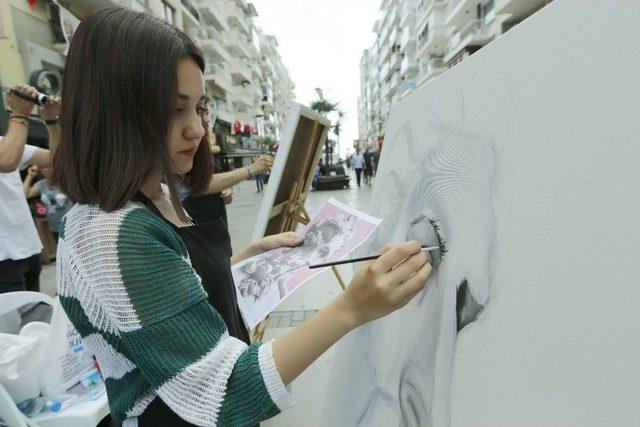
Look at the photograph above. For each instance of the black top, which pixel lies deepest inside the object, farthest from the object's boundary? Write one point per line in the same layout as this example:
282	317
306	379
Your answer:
209	247
207	208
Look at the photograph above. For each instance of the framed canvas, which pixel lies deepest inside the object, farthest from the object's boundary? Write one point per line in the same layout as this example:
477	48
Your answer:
298	153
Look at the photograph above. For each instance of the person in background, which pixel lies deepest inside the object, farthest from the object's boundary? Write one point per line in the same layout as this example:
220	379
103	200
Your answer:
358	164
207	204
20	245
348	161
259	180
368	166
316	176
56	202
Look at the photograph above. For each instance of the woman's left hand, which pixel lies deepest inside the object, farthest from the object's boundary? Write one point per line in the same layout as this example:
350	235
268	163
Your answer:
288	239
52	110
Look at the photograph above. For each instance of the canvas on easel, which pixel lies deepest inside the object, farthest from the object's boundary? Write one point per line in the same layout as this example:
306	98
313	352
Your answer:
290	180
299	151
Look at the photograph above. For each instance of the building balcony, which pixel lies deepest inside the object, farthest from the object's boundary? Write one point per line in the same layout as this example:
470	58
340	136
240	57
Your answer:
475	33
240	72
242	101
393	36
459	12
238	19
408	39
256	70
385	70
267	67
394	83
213	44
239	45
384	53
518	9
407	16
190	15
227	114
212	13
434	42
384	92
209	41
425	9
430	69
408	67
220	77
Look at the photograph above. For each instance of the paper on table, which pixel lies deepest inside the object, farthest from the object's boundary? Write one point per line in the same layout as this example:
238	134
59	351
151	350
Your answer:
264	281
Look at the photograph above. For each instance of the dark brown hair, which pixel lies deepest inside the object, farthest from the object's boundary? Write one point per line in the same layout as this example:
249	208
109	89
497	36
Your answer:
119	97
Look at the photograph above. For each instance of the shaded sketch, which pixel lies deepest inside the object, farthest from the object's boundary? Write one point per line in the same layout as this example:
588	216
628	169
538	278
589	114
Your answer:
436	185
273	270
262	282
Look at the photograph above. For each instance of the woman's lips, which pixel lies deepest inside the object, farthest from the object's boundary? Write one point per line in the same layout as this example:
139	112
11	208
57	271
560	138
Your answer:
190	152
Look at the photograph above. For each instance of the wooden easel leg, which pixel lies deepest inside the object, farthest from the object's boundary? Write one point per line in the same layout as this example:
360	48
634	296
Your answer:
259	330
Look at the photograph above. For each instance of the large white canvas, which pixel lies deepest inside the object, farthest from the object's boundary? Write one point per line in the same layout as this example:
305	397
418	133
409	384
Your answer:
527	154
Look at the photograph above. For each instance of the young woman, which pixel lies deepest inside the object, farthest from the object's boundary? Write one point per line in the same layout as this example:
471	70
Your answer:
150	291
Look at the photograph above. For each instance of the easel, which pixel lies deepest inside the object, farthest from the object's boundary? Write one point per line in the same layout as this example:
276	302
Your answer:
293	211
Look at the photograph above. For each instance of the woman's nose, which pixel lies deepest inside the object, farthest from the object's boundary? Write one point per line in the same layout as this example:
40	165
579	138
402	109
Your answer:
195	131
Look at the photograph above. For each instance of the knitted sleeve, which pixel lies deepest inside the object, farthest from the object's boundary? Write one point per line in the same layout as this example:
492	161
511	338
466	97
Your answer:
180	343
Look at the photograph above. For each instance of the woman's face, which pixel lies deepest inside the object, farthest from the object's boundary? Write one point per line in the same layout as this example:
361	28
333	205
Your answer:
191	106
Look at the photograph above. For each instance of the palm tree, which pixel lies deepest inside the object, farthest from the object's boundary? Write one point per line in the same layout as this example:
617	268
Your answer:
337	129
324	107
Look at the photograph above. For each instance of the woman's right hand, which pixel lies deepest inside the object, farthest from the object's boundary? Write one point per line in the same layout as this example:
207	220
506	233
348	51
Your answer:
33	171
386	284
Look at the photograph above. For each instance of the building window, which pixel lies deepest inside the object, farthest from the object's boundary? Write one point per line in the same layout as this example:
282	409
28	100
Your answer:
488	12
168	12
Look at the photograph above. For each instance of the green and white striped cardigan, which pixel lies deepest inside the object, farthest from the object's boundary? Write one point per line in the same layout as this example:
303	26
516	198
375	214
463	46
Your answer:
126	282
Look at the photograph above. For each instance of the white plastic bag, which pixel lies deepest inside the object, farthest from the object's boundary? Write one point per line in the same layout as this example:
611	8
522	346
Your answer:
18	367
67	361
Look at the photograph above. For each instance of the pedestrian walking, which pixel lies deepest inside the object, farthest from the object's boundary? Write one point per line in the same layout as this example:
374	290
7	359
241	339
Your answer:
358	164
368	166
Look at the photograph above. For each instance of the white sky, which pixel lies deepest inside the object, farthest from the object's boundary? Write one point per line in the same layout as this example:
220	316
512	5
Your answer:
321	42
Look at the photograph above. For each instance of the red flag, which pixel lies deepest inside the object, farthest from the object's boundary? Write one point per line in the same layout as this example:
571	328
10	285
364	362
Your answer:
32	4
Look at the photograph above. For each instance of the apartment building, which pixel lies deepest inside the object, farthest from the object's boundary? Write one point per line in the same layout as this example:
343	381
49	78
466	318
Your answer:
416	40
277	88
224	29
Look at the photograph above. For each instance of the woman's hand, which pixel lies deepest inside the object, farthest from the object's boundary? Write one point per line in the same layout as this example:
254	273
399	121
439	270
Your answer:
386	284
52	110
262	164
19	106
33	172
226	196
288	239
377	289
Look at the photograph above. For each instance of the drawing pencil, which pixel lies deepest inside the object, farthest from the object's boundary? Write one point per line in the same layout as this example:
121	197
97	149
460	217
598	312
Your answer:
366	258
